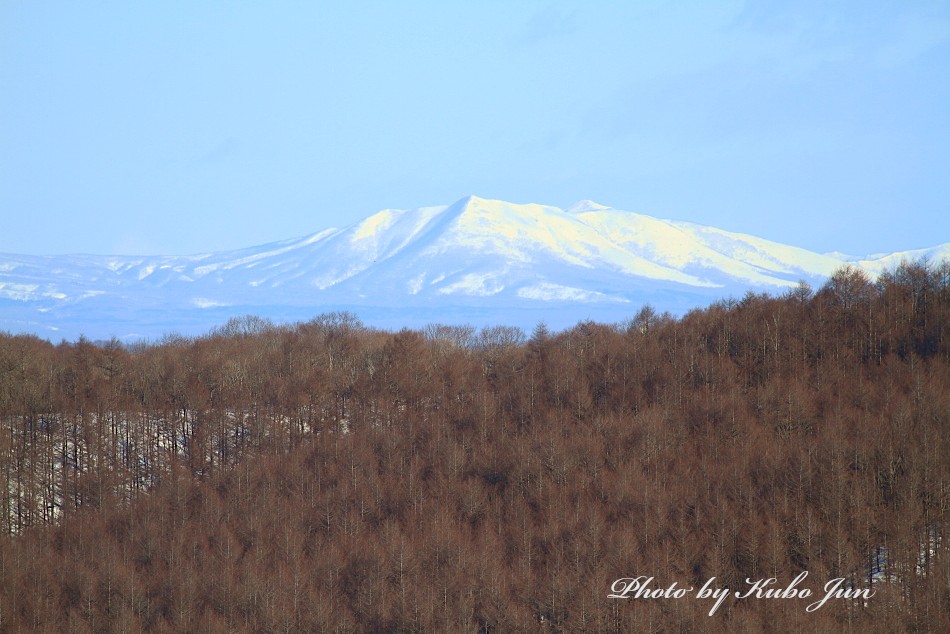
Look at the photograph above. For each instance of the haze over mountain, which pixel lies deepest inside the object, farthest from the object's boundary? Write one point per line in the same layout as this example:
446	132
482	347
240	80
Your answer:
476	261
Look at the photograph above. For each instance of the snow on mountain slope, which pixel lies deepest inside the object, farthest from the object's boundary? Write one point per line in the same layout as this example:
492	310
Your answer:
481	248
531	232
778	259
877	264
680	247
475	257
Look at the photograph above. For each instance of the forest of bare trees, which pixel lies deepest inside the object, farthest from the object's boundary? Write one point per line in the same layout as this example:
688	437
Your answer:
327	476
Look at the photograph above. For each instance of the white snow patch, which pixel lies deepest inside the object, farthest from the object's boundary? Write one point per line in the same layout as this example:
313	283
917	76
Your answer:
844	257
415	284
202	302
335	277
481	285
318	236
18	291
201	271
546	291
251	260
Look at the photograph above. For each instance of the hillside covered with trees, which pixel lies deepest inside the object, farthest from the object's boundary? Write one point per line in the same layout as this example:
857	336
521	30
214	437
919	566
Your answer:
326	476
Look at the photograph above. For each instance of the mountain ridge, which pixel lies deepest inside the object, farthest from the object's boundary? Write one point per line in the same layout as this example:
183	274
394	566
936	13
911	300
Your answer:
476	259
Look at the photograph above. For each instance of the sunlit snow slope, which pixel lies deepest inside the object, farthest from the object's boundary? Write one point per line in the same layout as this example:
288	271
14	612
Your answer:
476	261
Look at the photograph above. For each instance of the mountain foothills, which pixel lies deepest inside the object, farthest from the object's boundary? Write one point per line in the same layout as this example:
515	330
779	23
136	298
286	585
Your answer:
476	261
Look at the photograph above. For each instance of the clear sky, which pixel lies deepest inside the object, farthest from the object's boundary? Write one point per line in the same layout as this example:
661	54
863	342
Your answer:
183	127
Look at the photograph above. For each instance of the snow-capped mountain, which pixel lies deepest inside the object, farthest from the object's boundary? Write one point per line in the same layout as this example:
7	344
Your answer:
476	261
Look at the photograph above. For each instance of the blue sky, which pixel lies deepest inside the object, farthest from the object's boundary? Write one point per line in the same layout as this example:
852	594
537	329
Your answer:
183	127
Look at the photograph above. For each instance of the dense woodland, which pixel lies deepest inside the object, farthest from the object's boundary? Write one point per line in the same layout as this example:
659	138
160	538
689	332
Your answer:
326	476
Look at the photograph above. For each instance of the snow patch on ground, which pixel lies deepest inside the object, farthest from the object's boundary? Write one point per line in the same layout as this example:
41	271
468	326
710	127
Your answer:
21	292
549	292
474	284
202	302
415	284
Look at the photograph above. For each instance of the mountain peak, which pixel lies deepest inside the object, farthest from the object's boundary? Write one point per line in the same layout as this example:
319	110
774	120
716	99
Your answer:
468	203
469	200
585	205
477	207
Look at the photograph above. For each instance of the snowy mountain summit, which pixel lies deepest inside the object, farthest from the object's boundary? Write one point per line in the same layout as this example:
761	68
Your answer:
476	261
